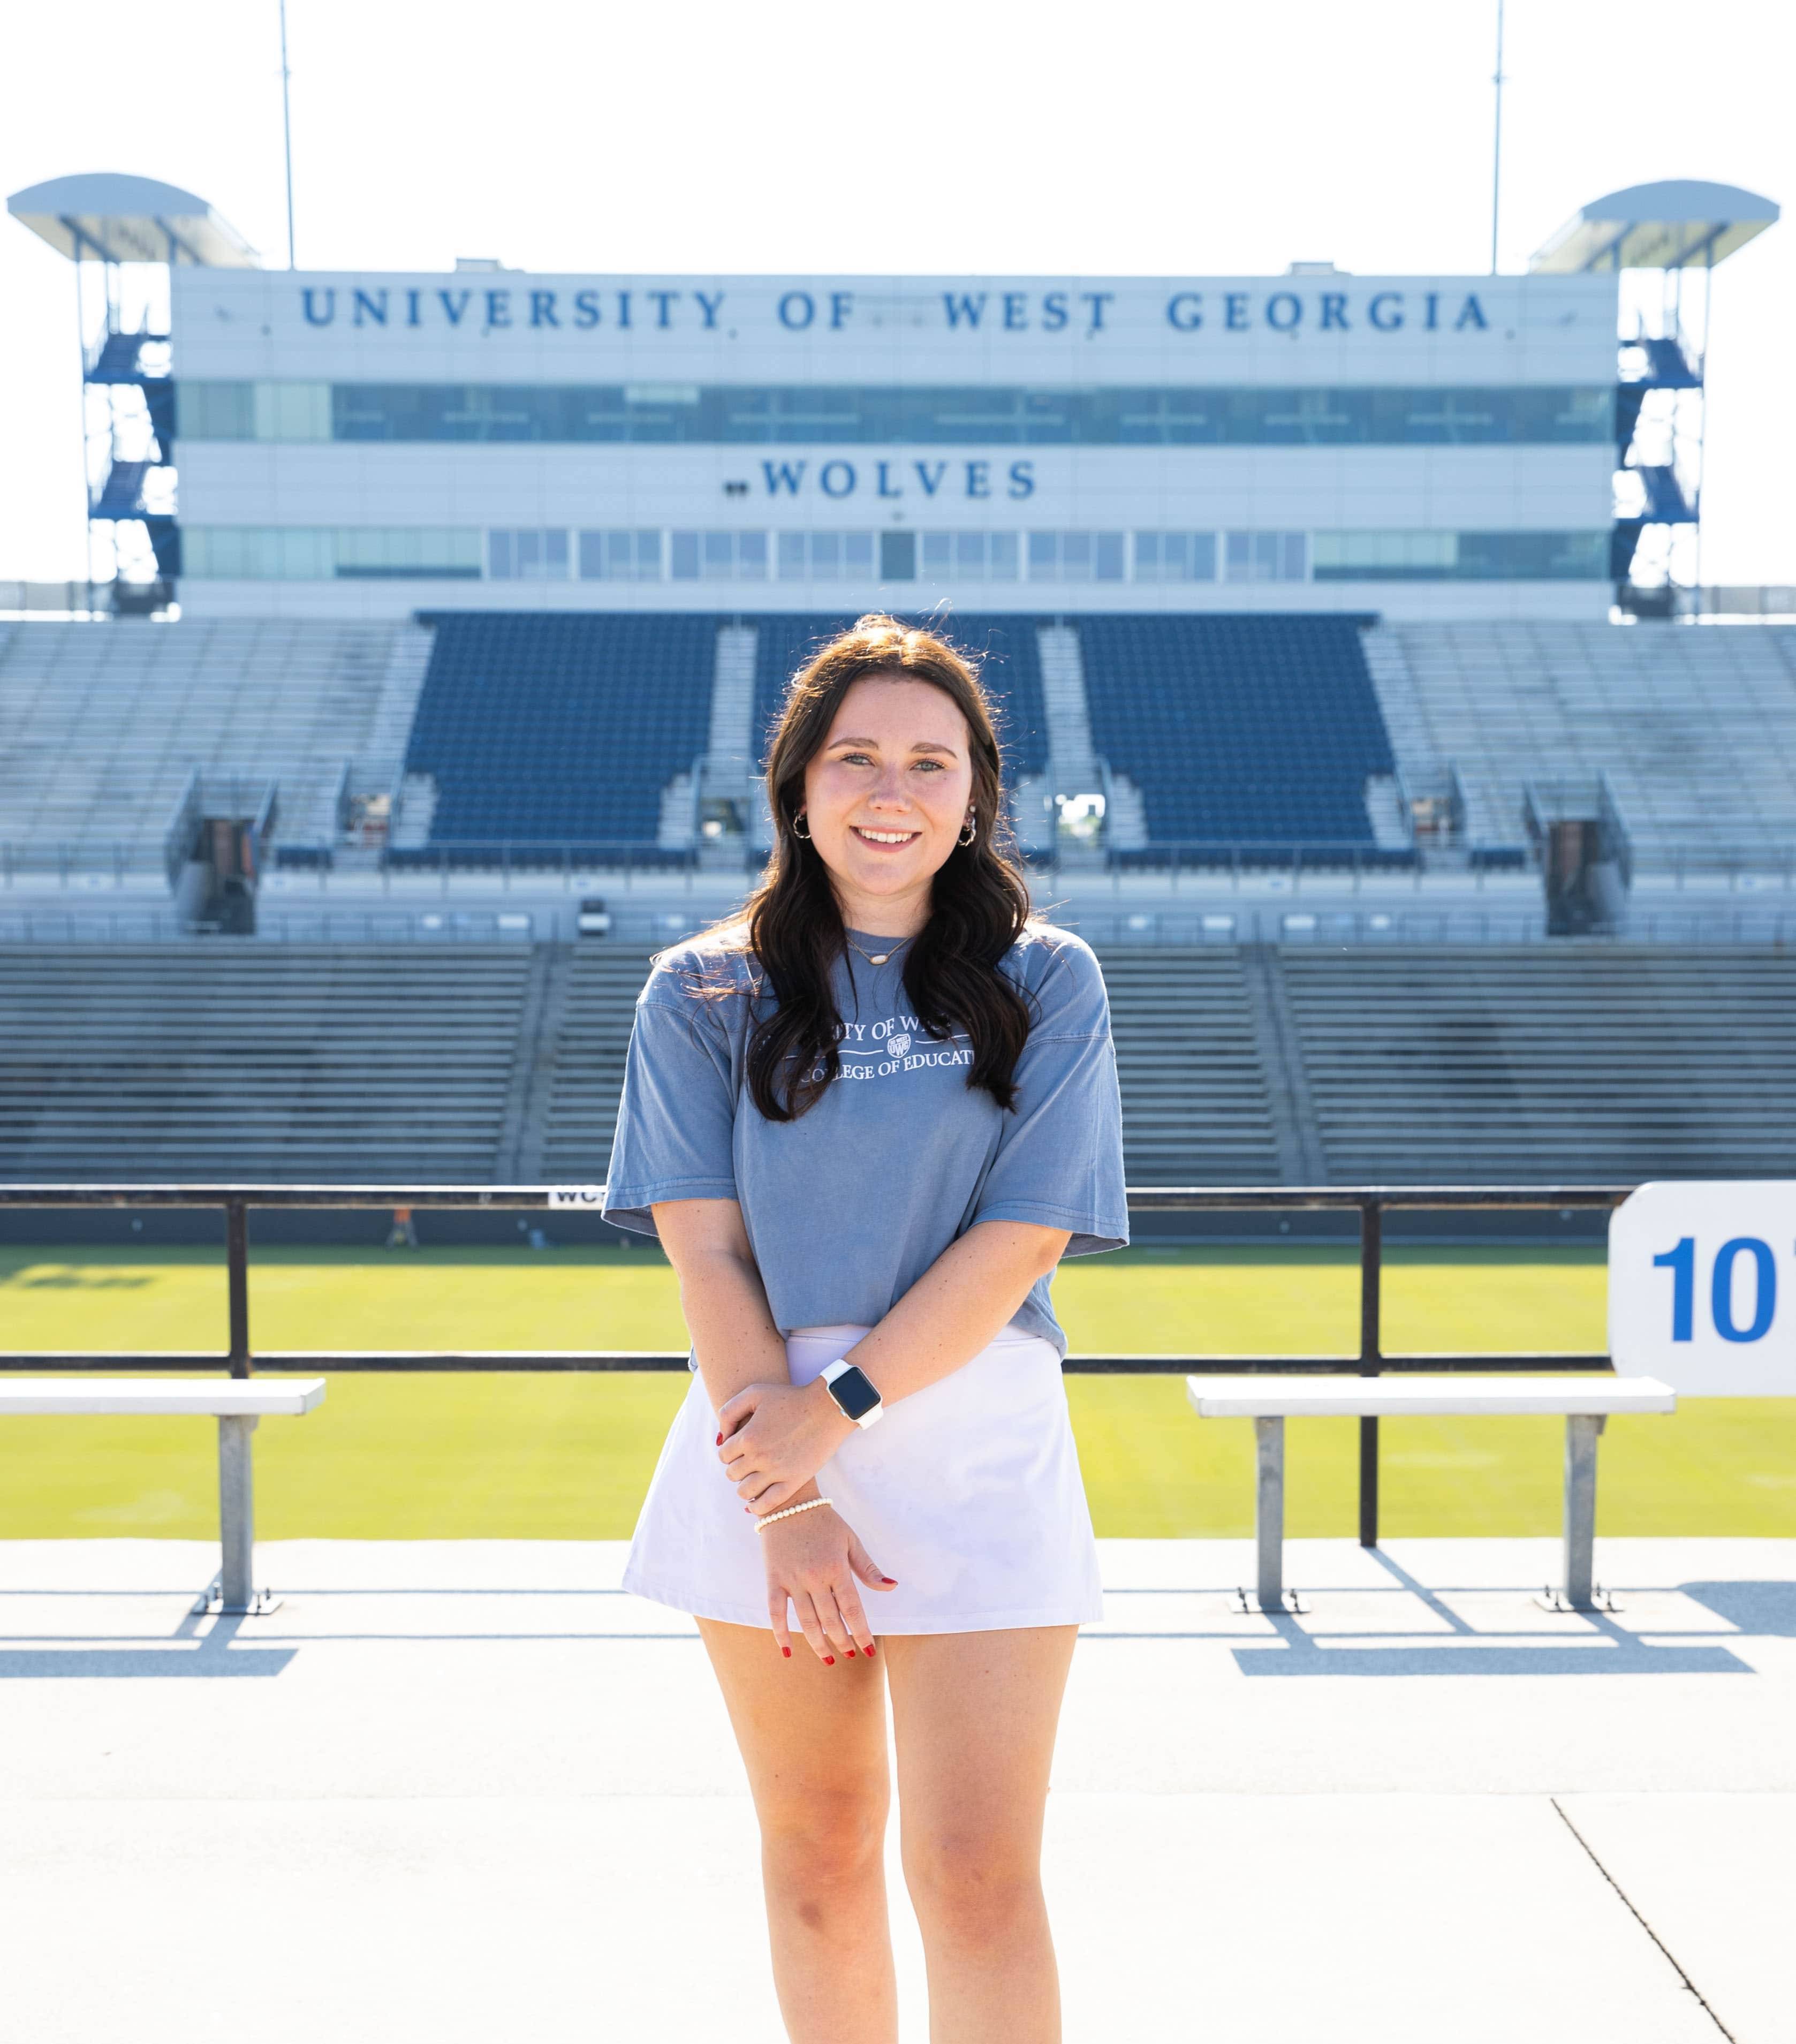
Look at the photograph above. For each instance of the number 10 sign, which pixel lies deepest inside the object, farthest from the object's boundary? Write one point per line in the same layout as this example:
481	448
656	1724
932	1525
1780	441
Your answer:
1702	1286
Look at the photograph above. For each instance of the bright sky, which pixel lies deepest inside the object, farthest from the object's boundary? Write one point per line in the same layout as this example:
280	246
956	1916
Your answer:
945	135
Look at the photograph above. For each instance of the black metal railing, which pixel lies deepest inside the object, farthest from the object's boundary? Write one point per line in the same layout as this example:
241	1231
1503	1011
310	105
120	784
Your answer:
1372	1204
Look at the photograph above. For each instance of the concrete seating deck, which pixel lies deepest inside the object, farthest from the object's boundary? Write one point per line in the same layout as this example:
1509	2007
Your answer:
502	1799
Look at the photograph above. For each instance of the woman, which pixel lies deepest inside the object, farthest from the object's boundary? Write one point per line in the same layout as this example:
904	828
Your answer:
866	1121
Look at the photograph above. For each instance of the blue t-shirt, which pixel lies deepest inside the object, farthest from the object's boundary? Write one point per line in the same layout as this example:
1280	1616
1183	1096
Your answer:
846	1207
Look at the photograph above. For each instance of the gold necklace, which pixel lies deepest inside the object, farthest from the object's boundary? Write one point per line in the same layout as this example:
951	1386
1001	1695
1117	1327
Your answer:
874	958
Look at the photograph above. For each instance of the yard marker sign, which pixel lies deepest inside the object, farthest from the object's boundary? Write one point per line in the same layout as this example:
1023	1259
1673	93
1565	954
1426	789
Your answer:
1702	1286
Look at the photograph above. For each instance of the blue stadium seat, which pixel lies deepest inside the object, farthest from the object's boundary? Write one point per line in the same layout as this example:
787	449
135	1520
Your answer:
1254	731
546	728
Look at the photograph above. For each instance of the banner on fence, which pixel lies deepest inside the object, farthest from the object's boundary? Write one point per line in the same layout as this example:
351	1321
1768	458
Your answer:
1702	1286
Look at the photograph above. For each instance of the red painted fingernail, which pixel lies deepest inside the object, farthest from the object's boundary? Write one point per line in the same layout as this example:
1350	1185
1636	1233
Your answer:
719	1440
892	1580
850	1653
829	1660
871	1651
787	1652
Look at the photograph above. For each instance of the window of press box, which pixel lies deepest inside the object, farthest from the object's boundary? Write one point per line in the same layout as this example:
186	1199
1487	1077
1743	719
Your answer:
1266	557
825	556
1425	556
1076	557
718	556
527	553
626	556
1174	557
321	553
817	415
970	556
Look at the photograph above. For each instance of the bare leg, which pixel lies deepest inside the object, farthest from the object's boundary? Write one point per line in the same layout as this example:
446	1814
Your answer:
813	1740
975	1714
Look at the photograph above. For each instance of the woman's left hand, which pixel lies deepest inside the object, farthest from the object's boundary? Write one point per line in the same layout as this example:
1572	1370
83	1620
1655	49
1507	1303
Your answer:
775	1436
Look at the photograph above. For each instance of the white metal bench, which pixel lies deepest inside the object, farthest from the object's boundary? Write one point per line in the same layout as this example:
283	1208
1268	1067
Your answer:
1268	1401
236	1403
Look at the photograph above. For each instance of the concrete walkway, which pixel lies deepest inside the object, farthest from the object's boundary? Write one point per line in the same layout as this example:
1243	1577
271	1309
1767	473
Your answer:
472	1791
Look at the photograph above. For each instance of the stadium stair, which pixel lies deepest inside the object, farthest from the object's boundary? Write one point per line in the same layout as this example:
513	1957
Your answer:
582	1060
1198	1097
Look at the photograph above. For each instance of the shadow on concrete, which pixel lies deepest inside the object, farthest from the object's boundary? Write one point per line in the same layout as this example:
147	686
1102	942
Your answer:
169	1663
1623	1654
211	1657
1767	1608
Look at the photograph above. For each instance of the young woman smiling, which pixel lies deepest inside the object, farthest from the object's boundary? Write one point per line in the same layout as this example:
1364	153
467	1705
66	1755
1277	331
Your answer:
866	1121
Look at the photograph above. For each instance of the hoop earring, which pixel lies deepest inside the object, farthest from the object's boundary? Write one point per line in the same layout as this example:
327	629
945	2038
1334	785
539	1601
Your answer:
803	836
970	829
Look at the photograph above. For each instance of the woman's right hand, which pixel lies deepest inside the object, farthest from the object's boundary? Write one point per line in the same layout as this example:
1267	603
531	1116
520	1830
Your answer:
815	1563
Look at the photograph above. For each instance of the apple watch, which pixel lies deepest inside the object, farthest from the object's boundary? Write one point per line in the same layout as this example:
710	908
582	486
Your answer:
852	1391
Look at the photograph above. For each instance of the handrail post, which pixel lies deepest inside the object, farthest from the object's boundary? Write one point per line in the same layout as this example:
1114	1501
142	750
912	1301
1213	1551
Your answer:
1371	1271
237	1271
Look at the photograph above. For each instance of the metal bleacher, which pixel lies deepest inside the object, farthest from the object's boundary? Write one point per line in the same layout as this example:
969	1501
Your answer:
103	722
1197	1097
1195	1090
1567	1064
1694	727
596	1003
472	1063
285	1063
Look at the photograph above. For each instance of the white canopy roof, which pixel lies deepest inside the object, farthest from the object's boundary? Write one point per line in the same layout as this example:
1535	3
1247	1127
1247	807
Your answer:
1679	222
107	217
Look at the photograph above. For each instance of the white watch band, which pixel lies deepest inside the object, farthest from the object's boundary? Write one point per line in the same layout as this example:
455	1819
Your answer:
831	1371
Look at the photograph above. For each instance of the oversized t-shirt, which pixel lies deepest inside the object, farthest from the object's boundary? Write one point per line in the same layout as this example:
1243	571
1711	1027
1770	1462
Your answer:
847	1206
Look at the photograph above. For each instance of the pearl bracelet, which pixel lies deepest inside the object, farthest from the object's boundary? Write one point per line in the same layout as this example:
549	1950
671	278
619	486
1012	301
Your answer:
791	1511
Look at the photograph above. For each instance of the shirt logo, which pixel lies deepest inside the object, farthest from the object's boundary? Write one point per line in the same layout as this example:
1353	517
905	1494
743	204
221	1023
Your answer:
897	1043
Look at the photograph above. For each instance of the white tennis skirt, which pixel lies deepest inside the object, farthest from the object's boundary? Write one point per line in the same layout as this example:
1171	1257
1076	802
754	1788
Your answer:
968	1491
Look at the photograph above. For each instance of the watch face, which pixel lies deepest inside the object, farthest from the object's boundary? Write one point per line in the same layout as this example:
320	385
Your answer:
852	1389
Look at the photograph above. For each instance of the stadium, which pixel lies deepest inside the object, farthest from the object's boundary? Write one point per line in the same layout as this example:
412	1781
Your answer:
1433	824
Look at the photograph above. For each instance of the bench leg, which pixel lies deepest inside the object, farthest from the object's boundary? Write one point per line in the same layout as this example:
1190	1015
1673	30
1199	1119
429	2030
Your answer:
234	1593
1269	1512
1580	1593
1580	1509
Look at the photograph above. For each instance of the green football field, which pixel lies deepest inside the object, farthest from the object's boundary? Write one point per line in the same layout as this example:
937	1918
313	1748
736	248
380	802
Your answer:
566	1455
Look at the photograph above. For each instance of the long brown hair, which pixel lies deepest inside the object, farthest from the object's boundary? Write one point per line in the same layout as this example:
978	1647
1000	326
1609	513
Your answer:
792	923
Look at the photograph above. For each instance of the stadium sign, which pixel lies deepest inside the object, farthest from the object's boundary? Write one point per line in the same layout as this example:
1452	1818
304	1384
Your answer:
480	311
1702	1286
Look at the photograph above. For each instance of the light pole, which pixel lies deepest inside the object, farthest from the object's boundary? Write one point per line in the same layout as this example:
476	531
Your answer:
1497	149
286	130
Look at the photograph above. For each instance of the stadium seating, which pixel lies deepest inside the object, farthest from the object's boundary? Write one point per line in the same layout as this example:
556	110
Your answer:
1010	666
1243	730
1537	1064
225	1062
585	1057
1197	1102
1548	1064
1196	1105
541	728
103	723
1695	727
